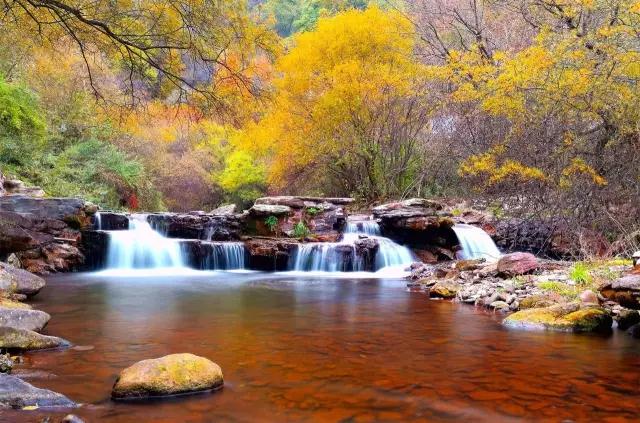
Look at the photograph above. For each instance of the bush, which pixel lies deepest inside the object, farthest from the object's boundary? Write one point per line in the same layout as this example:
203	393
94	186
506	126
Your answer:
300	230
272	223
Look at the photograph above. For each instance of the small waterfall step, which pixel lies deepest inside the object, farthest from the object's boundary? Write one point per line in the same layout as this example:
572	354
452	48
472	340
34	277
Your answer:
475	243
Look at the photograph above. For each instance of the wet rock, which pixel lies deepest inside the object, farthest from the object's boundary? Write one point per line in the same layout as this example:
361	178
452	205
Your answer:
19	281
94	248
111	221
627	318
26	340
444	289
10	303
467	265
169	375
16	393
515	264
500	305
269	253
19	318
625	291
634	331
570	317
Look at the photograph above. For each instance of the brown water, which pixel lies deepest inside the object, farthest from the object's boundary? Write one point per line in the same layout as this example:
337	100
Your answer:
315	349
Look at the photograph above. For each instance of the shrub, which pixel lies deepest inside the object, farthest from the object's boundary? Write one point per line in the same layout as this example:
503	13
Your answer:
272	223
300	230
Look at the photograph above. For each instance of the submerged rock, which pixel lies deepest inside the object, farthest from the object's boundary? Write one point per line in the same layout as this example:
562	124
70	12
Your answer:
26	340
515	264
19	318
169	375
16	393
19	281
570	317
627	318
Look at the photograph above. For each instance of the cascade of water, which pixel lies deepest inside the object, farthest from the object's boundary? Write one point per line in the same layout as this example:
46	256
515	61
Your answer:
476	243
97	223
343	256
142	248
225	256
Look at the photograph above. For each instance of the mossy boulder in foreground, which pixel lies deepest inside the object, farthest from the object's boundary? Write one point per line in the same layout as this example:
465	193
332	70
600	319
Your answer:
571	317
169	375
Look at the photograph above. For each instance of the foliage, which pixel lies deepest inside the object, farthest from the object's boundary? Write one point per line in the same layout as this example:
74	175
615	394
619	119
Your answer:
272	223
300	230
312	211
356	80
569	292
580	274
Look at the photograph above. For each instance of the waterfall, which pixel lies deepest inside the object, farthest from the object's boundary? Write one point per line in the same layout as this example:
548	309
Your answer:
224	256
141	247
97	223
343	256
475	243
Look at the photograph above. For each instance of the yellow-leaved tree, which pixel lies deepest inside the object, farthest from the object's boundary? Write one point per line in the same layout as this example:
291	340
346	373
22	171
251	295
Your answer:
348	109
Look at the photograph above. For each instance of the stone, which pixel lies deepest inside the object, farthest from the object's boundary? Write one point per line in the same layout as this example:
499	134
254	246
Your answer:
627	318
198	226
499	305
444	289
625	291
26	340
19	281
266	210
16	393
538	301
589	297
269	253
224	210
72	418
6	363
19	318
634	331
169	375
515	264
468	265
571	317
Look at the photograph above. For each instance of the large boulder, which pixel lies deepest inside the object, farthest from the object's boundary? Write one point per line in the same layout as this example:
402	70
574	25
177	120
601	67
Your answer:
572	317
169	375
18	394
419	223
625	291
26	340
446	288
43	232
515	264
323	217
269	253
18	318
19	281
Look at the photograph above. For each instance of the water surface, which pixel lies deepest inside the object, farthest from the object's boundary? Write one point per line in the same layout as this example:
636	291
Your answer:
296	348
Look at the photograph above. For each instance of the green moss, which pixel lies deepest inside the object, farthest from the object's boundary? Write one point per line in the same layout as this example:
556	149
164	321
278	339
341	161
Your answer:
562	317
567	291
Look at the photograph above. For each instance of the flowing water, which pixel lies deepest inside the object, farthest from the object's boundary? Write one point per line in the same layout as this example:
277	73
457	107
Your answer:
476	243
343	256
321	350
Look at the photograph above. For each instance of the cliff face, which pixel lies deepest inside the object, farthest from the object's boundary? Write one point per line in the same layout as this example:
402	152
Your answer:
42	234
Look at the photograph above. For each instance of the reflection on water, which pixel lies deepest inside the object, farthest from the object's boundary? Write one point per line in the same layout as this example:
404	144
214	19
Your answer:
321	349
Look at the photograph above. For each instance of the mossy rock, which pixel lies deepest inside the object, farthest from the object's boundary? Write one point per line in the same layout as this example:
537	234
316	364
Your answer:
173	374
444	289
8	303
570	317
27	340
538	301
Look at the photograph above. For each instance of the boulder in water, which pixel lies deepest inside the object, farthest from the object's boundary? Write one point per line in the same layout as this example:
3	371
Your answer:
19	281
16	393
571	317
19	318
169	375
627	318
447	288
515	264
27	340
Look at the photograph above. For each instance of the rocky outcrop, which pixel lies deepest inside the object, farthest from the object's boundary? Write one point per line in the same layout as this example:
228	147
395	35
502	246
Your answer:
18	394
43	233
572	317
625	291
94	247
323	217
169	375
269	253
18	318
26	340
111	221
422	224
19	281
221	227
515	264
17	187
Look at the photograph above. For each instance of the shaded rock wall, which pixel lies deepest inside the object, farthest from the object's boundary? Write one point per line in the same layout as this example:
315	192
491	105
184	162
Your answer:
223	227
